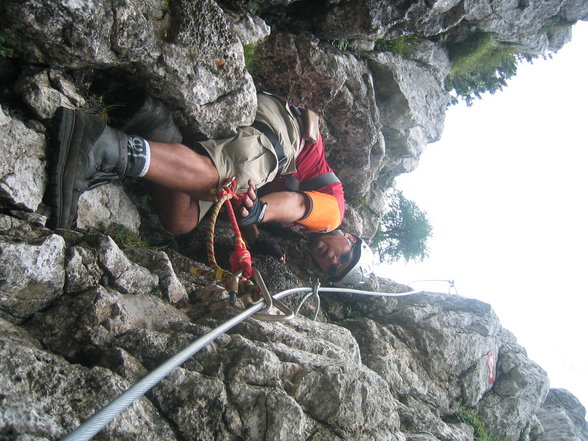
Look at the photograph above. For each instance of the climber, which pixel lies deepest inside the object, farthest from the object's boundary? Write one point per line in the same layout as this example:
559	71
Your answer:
281	153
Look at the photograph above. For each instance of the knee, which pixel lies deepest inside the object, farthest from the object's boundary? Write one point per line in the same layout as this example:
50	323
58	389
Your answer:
179	226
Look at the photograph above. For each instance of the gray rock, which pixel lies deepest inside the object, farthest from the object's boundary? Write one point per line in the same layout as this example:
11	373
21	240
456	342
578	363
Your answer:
197	404
124	275
249	28
167	48
78	326
520	388
562	418
32	274
82	270
22	170
412	116
510	22
106	206
37	92
45	397
158	263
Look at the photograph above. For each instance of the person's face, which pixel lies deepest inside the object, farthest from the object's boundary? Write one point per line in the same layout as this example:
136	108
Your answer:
332	252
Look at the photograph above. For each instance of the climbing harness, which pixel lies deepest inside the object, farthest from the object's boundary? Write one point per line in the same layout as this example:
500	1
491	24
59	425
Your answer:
240	260
104	416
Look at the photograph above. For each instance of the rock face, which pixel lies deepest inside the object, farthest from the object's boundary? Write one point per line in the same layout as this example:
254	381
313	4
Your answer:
85	313
562	417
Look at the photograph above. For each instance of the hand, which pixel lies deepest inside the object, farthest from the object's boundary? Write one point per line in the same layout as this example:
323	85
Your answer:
252	211
249	199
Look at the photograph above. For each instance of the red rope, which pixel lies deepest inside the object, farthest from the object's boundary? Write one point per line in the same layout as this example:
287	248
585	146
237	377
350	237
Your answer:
240	259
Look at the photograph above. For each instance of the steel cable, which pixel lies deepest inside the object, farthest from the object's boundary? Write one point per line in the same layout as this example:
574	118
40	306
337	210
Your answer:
104	416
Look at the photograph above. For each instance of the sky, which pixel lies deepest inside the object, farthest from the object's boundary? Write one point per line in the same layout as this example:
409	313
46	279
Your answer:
505	192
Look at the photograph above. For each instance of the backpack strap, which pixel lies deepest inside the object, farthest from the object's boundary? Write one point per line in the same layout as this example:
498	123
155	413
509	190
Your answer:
294	184
273	138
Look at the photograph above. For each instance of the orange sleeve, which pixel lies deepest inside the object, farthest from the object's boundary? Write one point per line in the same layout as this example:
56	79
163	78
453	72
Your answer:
323	215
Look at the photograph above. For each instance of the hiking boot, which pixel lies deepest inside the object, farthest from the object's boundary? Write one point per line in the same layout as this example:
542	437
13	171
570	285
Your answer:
88	153
153	121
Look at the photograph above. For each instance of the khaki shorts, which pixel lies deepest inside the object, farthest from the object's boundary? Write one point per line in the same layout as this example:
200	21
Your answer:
250	154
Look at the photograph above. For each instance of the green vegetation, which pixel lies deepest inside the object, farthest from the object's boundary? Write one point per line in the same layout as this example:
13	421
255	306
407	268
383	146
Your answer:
469	417
4	51
403	231
126	239
350	313
254	9
400	46
250	55
340	44
481	64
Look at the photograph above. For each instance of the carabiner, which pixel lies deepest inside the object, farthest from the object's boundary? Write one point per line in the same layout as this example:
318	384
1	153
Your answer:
264	314
314	293
269	302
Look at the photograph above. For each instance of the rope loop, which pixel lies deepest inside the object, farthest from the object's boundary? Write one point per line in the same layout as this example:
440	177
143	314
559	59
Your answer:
240	259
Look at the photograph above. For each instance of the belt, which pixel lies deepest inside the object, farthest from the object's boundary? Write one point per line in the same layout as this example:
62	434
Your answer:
269	133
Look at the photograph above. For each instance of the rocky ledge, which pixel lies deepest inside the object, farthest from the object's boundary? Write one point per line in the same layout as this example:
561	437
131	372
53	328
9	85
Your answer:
85	313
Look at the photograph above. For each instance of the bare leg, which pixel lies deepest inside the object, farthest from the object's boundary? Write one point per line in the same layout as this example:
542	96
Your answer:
177	211
182	178
177	167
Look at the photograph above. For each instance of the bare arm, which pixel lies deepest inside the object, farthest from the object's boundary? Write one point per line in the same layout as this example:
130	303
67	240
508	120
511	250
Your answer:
282	206
285	206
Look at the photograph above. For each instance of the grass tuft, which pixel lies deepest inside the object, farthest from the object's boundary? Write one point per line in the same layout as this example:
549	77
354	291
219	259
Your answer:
469	417
251	58
125	239
399	46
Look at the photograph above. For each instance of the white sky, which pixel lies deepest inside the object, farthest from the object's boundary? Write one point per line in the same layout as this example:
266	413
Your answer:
505	191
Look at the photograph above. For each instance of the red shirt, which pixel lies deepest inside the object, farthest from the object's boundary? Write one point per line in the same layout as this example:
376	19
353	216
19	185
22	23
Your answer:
310	163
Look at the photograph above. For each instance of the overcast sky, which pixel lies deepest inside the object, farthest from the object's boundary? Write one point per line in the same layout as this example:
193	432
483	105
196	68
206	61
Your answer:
505	191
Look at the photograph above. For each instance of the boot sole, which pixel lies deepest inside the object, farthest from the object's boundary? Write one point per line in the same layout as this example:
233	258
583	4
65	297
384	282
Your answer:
64	154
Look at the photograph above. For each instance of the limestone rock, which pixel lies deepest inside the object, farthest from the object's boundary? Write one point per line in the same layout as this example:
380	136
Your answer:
159	264
32	274
412	116
22	169
82	318
520	388
106	206
77	326
167	48
124	275
45	397
38	93
562	417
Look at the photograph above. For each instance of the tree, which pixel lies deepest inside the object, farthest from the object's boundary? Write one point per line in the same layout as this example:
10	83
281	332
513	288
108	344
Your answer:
403	231
481	64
